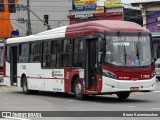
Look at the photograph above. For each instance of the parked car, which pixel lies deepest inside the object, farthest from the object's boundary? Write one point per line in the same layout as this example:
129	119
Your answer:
157	64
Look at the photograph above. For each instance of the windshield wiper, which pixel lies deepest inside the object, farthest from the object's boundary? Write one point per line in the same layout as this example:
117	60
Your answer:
137	48
124	48
125	54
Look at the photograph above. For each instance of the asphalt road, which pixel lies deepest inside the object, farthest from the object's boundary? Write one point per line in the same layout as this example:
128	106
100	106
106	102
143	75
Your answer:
12	99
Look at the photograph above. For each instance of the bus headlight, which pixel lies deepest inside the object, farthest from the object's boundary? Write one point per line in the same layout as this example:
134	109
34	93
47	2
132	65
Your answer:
153	74
109	74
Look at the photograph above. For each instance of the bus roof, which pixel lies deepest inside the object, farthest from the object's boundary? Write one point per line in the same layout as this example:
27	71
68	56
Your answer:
84	28
49	34
102	26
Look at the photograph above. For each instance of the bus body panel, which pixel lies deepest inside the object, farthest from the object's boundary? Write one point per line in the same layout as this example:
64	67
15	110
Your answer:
7	74
139	79
69	77
131	73
58	80
41	79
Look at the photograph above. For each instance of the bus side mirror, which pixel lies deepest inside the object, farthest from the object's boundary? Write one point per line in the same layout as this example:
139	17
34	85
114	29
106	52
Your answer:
155	59
99	57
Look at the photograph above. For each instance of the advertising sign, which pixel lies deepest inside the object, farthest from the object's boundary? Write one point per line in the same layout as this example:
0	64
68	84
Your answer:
84	4
15	33
100	9
84	16
112	3
100	2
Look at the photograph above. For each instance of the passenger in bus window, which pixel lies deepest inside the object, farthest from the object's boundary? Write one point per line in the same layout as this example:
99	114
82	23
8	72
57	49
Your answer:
46	61
132	60
108	57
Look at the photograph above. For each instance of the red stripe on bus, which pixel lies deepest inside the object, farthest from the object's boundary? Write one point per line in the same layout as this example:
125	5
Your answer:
41	78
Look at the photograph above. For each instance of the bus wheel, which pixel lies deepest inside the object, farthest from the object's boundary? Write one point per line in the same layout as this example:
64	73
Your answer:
78	90
123	95
25	86
158	78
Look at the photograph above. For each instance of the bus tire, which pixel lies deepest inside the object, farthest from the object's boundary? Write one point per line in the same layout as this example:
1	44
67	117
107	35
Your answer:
78	90
123	95
158	78
25	86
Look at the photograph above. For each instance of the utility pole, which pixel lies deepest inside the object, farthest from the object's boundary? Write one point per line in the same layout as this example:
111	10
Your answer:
28	18
29	32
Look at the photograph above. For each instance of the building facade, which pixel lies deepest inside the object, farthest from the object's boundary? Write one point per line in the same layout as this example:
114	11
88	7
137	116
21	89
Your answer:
151	20
14	16
87	10
15	20
151	14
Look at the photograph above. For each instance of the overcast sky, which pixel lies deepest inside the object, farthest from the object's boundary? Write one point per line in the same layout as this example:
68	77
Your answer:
132	1
129	1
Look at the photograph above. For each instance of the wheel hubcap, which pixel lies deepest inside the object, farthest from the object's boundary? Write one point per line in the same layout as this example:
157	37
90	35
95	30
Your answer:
25	87
78	89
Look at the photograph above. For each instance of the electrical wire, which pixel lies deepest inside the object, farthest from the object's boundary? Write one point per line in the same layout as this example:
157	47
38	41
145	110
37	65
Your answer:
59	21
13	22
49	6
52	1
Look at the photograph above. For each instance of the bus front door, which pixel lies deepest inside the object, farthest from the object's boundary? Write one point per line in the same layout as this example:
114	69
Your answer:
90	65
13	65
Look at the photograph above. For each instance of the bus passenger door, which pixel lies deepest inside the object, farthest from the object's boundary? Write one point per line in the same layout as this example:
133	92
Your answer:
90	65
13	65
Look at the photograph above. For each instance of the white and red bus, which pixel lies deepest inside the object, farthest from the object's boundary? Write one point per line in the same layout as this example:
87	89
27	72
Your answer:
1	59
96	57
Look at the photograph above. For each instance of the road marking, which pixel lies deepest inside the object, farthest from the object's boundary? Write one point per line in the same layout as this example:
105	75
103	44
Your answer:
156	91
138	93
132	106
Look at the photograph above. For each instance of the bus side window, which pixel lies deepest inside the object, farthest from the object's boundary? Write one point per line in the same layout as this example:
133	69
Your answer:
35	52
24	53
45	54
77	57
66	57
55	53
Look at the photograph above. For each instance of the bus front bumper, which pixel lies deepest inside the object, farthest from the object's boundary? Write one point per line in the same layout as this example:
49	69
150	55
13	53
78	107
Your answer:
112	85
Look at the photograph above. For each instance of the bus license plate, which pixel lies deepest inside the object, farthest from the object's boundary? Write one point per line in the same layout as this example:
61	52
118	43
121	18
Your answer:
134	88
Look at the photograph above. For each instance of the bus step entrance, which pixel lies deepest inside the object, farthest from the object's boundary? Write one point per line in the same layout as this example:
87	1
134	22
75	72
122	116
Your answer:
92	88
92	84
91	92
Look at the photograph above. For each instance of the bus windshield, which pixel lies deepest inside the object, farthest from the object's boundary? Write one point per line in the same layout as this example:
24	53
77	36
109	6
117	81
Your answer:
128	49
